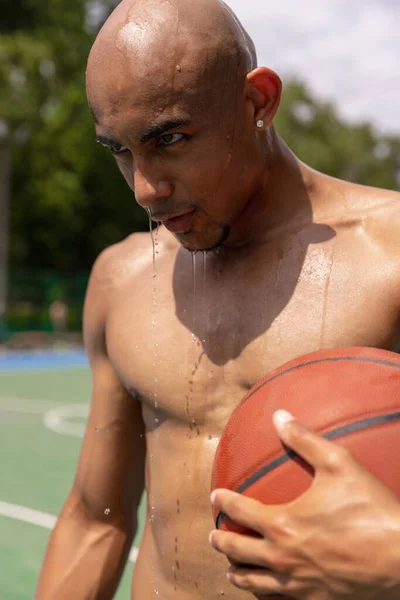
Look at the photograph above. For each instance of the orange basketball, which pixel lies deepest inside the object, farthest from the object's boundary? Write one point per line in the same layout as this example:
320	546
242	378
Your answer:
350	395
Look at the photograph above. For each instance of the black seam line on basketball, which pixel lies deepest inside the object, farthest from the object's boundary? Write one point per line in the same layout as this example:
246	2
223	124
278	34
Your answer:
321	360
330	435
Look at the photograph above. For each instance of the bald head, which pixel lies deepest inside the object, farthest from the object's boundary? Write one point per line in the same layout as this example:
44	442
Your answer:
176	44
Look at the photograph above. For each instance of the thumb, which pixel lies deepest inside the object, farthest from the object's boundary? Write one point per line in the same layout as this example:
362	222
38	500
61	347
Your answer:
312	447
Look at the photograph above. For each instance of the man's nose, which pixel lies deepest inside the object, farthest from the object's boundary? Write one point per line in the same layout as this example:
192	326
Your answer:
148	189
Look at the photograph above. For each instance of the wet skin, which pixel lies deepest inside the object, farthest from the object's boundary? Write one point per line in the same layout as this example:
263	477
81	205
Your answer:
219	324
288	261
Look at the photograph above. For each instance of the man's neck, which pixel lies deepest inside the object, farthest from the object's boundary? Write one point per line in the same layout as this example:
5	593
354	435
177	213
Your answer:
281	202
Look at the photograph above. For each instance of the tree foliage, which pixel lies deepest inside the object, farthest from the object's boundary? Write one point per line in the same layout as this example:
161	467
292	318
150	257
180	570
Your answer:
68	199
317	135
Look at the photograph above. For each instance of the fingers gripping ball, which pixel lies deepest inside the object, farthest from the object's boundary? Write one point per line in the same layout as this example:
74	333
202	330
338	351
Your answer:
349	395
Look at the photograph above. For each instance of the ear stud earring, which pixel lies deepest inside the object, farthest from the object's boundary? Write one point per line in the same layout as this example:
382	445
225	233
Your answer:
260	123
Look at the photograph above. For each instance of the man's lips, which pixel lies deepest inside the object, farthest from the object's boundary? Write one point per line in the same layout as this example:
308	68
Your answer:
178	223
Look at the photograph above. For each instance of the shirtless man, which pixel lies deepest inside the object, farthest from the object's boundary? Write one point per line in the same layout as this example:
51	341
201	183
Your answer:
289	261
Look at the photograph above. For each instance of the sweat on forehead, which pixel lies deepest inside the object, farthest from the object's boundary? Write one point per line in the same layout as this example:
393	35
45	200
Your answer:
168	45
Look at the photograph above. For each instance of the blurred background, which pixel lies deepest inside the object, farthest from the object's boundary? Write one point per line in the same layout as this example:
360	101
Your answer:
62	200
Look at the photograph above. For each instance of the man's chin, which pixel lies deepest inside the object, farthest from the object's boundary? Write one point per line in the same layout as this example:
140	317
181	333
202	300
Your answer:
195	242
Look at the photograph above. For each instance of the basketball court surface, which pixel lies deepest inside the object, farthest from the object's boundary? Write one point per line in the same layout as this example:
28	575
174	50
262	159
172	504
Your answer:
43	408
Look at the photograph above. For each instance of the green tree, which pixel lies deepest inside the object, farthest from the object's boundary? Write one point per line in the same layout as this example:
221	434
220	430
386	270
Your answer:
317	135
68	198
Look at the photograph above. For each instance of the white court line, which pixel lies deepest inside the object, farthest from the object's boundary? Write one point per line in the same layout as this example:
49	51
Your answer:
56	419
57	422
42	519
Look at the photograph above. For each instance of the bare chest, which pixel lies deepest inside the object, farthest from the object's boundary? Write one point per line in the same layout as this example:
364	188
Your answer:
190	338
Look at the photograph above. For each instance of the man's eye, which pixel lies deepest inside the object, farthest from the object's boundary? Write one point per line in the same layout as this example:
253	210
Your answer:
119	150
170	138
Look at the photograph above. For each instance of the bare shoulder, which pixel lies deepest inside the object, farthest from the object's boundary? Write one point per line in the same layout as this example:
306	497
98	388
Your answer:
113	269
375	211
117	267
119	263
373	220
121	260
380	213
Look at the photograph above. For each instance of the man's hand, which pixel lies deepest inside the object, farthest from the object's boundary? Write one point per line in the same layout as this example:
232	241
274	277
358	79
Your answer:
338	540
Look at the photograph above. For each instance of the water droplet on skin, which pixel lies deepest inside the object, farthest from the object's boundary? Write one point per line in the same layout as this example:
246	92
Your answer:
152	457
107	511
152	236
97	428
152	514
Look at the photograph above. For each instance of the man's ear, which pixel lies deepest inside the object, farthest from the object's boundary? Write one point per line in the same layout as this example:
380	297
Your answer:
263	89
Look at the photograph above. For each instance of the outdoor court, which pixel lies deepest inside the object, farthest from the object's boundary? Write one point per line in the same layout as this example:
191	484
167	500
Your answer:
43	407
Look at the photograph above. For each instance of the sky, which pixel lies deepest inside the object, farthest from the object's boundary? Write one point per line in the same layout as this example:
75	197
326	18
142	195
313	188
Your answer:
347	51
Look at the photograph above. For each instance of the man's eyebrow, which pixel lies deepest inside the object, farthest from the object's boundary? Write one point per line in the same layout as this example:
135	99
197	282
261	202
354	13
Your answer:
104	141
159	128
151	132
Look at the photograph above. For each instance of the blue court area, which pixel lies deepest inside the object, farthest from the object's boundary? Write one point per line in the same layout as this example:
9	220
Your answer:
44	403
43	359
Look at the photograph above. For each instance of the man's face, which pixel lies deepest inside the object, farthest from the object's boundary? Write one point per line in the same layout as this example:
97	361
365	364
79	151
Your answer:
184	147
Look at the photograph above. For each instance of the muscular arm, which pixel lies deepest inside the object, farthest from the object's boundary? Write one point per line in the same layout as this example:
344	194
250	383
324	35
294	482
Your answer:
90	544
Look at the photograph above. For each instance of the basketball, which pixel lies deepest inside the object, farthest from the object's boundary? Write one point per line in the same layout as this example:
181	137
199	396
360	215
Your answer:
349	395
